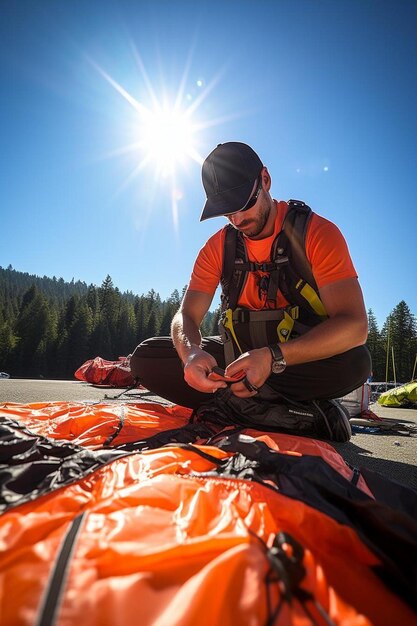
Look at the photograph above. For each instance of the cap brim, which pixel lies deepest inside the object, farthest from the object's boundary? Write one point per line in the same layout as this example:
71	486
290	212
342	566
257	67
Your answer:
227	202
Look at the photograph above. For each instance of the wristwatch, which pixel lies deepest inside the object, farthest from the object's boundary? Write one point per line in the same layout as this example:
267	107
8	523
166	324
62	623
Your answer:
278	364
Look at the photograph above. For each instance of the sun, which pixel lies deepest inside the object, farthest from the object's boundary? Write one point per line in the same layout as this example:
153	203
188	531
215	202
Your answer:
167	139
165	131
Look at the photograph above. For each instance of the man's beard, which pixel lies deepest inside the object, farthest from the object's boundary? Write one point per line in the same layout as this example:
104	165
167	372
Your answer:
257	224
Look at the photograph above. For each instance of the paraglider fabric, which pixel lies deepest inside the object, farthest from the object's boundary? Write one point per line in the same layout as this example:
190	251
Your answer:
105	373
136	514
405	396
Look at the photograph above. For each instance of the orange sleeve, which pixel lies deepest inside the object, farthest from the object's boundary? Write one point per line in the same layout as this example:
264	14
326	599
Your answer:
328	252
208	265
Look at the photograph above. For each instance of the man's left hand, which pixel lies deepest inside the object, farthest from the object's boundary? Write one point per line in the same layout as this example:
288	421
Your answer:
257	366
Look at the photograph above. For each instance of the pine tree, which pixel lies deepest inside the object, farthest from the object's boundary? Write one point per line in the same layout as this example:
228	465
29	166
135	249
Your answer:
152	325
126	334
101	340
78	341
165	326
153	309
93	304
110	304
175	299
32	329
215	321
167	312
140	314
399	336
376	348
7	345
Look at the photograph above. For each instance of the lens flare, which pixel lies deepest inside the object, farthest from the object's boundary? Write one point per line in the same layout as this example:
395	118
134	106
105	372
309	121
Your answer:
165	131
166	137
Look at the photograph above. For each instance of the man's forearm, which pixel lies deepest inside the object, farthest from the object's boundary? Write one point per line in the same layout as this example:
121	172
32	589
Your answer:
185	335
345	328
197	362
333	336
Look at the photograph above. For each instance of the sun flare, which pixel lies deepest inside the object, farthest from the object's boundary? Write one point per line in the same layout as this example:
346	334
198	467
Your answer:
165	132
166	138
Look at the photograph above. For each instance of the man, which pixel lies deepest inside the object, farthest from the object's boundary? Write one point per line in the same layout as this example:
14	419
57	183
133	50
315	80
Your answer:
326	358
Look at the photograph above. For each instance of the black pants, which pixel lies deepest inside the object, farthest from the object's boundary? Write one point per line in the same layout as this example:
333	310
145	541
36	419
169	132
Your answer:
156	364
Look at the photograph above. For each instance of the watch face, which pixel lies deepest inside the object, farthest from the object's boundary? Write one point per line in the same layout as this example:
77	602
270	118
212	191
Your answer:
278	366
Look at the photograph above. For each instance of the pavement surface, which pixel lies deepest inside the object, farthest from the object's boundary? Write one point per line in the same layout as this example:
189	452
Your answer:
392	454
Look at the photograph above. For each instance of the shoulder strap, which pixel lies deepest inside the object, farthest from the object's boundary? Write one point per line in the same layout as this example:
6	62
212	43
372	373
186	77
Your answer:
295	228
290	278
232	279
296	280
290	241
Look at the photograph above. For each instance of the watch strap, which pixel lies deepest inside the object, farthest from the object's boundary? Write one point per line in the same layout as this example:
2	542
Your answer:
276	352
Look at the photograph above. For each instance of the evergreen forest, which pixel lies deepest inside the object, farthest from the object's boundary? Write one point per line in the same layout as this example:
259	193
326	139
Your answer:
49	327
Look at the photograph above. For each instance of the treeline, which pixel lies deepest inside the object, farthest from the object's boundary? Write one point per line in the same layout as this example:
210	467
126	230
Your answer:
49	327
394	347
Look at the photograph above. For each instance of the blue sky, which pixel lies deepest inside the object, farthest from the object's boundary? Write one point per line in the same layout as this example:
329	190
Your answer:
324	90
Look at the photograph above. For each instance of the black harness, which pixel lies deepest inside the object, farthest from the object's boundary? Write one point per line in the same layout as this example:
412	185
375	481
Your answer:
288	271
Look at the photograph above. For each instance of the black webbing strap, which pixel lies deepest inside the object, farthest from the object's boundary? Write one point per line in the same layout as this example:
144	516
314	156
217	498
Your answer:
230	244
288	271
242	316
52	599
234	272
252	266
295	228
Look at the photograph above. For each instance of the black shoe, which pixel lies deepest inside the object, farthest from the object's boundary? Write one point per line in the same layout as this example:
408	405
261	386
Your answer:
334	425
321	419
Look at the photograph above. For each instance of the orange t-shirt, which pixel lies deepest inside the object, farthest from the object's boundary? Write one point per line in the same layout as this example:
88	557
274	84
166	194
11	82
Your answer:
326	251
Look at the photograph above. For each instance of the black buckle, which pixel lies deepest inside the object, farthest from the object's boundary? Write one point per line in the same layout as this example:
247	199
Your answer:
281	260
297	203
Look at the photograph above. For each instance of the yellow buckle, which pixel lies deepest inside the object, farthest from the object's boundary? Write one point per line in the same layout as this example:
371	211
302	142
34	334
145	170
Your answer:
228	323
285	327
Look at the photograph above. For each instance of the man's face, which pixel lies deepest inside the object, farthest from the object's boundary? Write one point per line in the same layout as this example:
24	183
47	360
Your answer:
252	222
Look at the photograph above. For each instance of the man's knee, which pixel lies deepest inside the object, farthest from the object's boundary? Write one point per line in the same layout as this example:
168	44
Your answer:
135	365
151	352
358	363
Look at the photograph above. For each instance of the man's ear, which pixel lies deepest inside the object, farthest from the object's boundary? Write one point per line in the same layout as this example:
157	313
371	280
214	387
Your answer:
266	179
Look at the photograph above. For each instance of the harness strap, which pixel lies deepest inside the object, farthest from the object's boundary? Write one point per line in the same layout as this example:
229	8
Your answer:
253	266
242	316
228	287
287	253
284	328
234	272
288	272
258	334
228	323
295	227
228	335
312	298
273	285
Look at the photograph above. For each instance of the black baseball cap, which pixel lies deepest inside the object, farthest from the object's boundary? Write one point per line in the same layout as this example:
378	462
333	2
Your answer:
229	174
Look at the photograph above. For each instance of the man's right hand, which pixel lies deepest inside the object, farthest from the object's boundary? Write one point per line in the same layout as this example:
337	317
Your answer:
197	367
185	333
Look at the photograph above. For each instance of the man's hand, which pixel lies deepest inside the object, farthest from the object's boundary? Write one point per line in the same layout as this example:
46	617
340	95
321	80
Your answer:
197	367
185	332
257	365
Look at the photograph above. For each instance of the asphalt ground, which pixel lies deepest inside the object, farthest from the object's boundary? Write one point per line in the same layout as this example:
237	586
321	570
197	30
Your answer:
392	454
